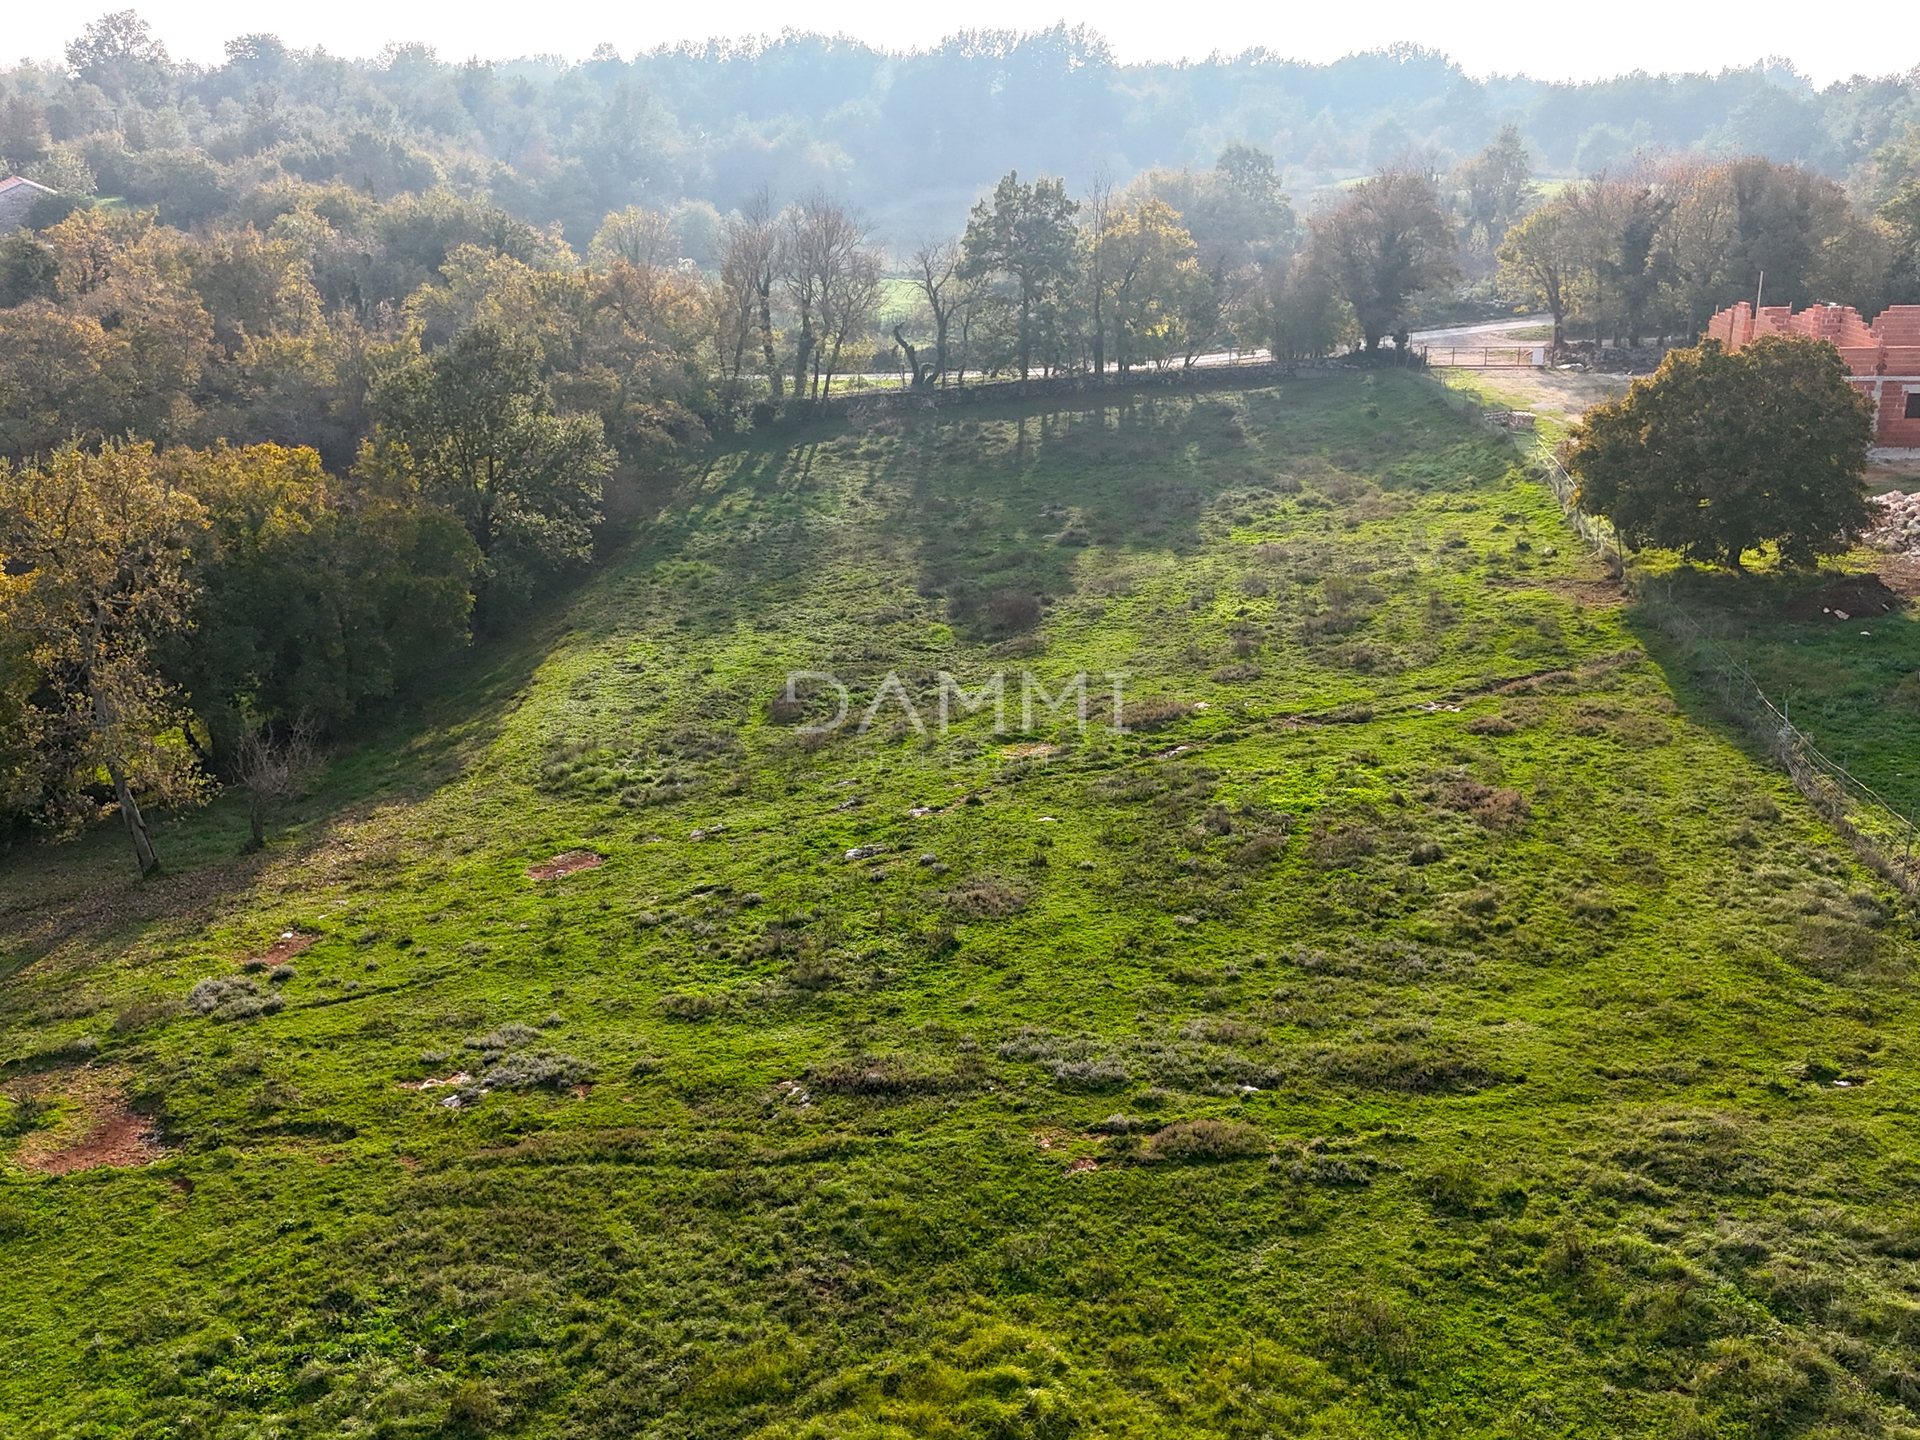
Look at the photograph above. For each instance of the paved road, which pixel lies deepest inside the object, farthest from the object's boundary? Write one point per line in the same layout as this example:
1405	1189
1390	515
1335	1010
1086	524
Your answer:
1479	334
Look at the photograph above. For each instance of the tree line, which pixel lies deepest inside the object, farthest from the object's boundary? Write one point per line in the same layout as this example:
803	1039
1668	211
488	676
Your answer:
1658	249
329	436
697	130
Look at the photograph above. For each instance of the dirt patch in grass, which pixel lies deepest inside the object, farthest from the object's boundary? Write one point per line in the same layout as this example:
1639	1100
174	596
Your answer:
290	944
568	862
1858	597
1028	752
100	1130
1588	594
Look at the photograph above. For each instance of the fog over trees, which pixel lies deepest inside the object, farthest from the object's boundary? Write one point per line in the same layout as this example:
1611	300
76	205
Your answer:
910	140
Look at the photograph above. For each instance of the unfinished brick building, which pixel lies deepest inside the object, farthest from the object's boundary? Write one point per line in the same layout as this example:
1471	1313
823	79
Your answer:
1884	358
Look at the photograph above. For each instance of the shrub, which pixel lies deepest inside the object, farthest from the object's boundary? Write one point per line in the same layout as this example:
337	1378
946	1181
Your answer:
538	1070
813	973
1340	842
1103	1074
1495	808
1012	611
1455	1187
1260	851
239	999
142	1013
1152	712
498	1042
884	1075
692	1006
1367	1329
1204	1140
1403	1067
27	1113
15	1221
986	898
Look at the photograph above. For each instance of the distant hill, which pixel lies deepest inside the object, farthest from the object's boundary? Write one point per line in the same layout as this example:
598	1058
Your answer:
912	138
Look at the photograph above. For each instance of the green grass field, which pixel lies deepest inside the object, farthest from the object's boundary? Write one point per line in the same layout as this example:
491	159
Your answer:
1426	1021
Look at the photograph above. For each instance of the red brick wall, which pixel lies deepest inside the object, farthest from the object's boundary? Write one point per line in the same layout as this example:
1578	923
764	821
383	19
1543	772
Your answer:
1889	347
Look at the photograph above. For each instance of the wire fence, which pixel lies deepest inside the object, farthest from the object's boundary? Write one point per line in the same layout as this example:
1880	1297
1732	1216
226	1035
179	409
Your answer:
1487	357
1878	832
1597	533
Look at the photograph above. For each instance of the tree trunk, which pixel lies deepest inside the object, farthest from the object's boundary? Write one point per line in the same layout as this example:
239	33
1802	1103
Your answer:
766	338
803	348
257	822
136	822
129	807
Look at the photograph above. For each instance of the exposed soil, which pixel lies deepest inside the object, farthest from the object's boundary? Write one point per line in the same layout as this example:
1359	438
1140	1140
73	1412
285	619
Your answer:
103	1132
1032	751
1902	575
1587	594
290	944
1564	393
567	863
1855	598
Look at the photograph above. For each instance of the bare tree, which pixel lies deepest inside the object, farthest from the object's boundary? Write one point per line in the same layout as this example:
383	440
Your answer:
850	300
1098	211
743	306
935	269
832	281
274	769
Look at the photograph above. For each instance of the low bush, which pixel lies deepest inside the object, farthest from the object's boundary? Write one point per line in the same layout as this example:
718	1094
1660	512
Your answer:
538	1070
1203	1140
1105	1074
238	999
683	1006
986	898
142	1013
883	1075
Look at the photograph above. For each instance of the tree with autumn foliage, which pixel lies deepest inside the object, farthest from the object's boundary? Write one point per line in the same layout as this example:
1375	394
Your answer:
97	551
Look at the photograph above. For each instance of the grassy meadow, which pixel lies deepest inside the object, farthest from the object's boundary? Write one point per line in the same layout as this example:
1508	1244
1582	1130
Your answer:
1424	1019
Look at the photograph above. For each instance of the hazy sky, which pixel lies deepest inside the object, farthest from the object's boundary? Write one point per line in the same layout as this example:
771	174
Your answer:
1579	42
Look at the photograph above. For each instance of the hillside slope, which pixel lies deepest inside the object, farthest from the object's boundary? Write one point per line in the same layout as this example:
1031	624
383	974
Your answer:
1443	1031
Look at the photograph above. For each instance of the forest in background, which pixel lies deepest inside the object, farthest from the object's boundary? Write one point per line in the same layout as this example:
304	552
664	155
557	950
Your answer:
908	139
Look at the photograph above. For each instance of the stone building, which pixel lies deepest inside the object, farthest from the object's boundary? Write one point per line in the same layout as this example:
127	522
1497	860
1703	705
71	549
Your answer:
16	198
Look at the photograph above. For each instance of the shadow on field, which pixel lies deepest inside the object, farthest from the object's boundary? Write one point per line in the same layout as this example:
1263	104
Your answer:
995	507
1836	650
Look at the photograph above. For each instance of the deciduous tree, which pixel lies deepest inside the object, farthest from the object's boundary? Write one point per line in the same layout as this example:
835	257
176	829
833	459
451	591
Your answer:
472	426
1719	453
1386	240
1026	233
313	598
1539	263
97	573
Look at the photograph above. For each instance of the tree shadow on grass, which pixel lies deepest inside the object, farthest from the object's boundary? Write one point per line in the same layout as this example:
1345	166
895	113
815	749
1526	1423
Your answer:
87	890
1848	681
